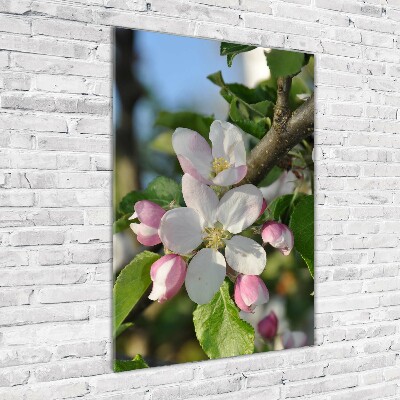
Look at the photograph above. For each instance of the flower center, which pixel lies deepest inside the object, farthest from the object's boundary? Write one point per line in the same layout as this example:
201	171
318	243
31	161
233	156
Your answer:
219	164
214	237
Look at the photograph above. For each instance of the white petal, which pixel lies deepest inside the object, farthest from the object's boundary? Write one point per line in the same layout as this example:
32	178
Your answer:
244	255
201	198
194	148
180	230
205	275
230	176
239	208
227	142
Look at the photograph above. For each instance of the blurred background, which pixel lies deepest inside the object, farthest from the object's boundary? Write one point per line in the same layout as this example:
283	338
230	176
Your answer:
157	72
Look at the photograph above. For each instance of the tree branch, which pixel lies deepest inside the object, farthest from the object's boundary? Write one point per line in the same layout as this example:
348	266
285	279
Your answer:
286	131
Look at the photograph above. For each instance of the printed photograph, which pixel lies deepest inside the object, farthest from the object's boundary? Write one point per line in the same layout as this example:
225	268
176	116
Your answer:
213	199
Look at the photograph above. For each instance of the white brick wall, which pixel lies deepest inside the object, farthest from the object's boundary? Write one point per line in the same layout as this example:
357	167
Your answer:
55	160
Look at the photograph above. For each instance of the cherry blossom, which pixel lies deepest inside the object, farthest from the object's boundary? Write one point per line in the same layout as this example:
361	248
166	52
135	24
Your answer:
250	291
168	274
279	236
149	214
222	165
214	224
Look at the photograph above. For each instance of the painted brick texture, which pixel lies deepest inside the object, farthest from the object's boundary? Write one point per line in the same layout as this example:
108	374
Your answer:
55	198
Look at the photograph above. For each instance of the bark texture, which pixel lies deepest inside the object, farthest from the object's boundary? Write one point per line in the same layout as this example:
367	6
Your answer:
286	131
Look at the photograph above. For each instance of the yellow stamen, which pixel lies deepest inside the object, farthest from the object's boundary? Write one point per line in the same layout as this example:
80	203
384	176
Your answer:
219	165
215	237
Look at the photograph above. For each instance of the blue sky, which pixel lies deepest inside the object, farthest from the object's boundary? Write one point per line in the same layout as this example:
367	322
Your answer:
175	68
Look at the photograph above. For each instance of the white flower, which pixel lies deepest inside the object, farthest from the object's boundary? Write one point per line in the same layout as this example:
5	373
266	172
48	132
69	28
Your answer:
214	223
223	165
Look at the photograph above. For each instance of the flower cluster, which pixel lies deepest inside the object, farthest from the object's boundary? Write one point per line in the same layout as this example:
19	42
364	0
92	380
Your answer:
208	237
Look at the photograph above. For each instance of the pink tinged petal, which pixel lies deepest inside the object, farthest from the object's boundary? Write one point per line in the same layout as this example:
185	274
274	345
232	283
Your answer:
188	168
195	150
278	235
263	207
146	235
239	208
268	326
240	302
205	275
291	340
250	291
149	213
230	176
201	198
180	230
227	142
244	255
168	274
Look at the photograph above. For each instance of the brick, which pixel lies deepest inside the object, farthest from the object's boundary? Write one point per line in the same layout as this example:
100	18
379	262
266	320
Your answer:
46	46
35	315
43	276
14	25
34	238
19	7
70	30
15	297
71	369
74	293
81	349
13	378
57	65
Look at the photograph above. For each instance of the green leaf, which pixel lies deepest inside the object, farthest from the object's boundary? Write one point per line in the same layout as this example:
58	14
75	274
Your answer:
122	223
131	284
163	143
271	177
185	119
122	328
219	329
285	63
128	201
302	226
257	100
233	49
257	129
136	363
217	79
265	108
163	191
237	115
280	205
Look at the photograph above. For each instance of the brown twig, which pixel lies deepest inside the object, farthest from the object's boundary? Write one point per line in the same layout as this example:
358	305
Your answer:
286	131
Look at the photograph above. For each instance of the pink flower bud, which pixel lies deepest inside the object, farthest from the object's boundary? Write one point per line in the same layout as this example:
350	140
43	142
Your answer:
268	326
279	236
168	274
250	291
263	207
149	214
